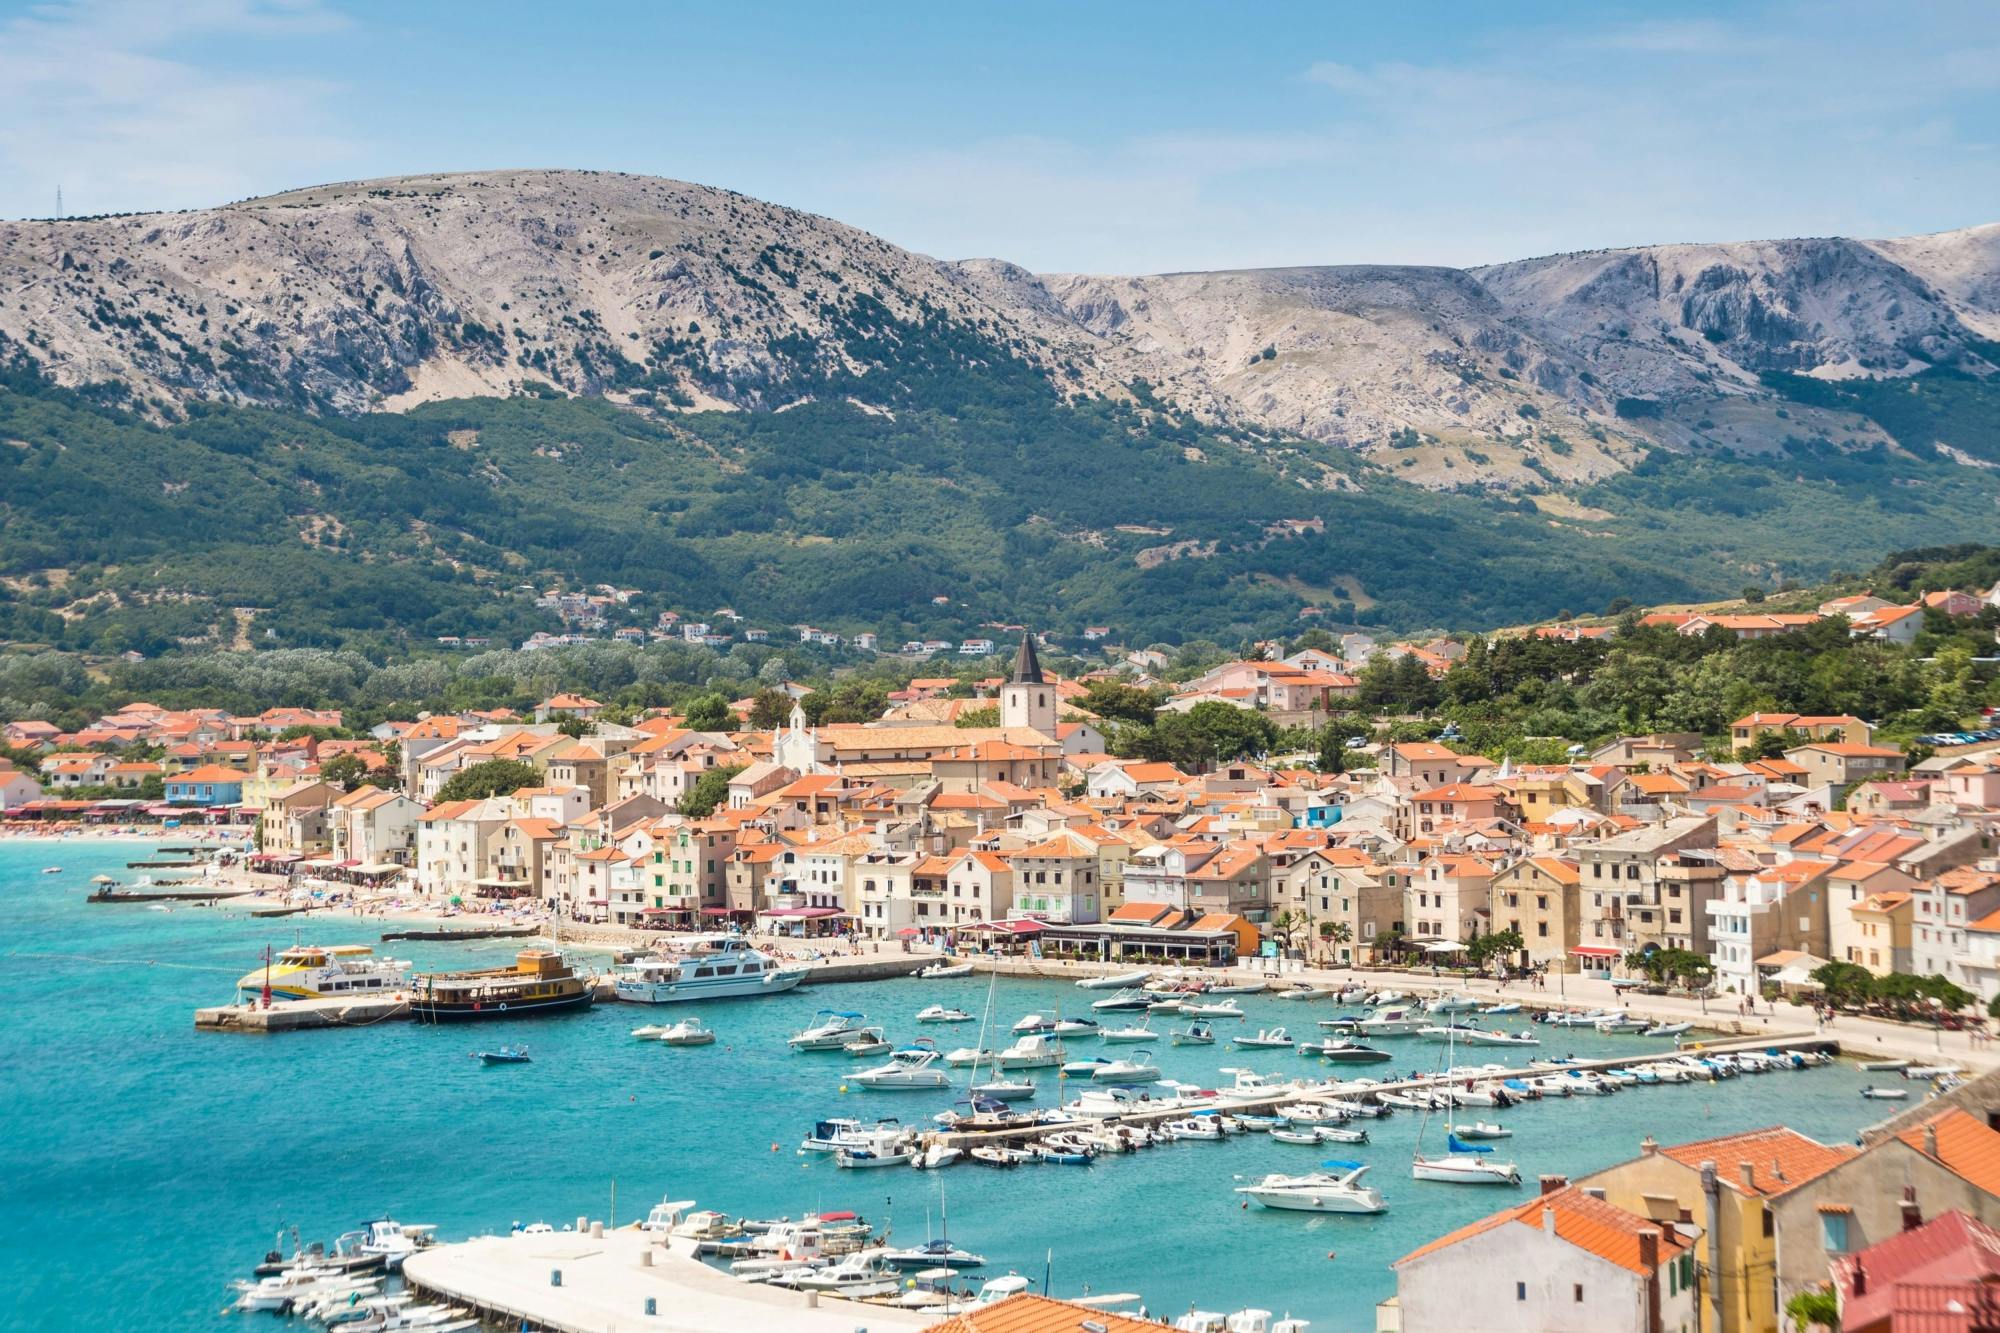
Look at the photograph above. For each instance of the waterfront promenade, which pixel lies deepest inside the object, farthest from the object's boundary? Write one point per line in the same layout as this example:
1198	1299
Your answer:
607	1280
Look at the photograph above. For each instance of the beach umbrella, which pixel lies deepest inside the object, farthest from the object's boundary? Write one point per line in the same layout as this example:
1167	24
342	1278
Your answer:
908	933
102	879
456	901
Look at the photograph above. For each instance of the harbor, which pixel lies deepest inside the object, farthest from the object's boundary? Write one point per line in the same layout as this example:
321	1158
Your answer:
598	1119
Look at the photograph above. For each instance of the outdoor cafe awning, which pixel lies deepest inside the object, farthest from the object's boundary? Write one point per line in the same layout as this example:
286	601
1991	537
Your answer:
1596	951
1443	946
811	912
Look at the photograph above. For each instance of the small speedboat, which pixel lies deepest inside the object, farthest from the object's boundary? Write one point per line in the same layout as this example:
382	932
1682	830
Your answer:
1127	1073
1275	1038
938	1013
1334	1188
1123	1000
650	1032
1305	1137
1219	1009
506	1055
933	1254
1140	1033
1194	1034
937	971
994	1156
1345	1052
1077	1027
1298	993
912	1069
1117	981
1667	1029
688	1032
830	1030
1497	1009
968	1055
1480	1129
1005	1090
867	1041
1885	1094
934	1157
1339	1134
1033	1023
52	870
861	1159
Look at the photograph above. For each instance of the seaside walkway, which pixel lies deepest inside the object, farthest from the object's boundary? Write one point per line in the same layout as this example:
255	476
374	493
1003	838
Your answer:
608	1279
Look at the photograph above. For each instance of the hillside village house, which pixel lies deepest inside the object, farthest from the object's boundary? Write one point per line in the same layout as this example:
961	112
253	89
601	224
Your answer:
1838	763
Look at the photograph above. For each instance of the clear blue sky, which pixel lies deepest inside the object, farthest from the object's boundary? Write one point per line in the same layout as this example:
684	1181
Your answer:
1104	137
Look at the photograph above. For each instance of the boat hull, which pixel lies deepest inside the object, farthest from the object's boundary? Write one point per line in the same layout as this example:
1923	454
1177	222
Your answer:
706	988
1289	1202
474	1011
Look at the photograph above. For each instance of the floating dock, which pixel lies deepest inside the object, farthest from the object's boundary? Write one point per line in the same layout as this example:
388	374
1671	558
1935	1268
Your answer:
590	1280
165	894
474	933
301	1015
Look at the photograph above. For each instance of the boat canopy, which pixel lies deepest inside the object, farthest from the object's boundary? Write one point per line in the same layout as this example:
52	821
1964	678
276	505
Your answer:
1336	1164
1458	1146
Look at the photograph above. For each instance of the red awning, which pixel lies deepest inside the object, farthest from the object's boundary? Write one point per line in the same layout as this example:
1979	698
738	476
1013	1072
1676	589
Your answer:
718	911
1596	951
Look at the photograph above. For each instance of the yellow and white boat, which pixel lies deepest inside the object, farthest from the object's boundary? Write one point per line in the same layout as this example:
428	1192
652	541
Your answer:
327	971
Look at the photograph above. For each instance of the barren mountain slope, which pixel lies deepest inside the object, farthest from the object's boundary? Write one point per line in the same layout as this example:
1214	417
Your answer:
395	291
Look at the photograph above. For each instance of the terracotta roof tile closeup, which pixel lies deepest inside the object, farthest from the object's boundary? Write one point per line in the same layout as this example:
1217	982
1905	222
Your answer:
1027	1313
1964	1145
1780	1159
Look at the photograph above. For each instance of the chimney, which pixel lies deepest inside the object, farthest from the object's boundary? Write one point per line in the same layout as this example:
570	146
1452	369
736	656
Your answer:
1859	1281
1595	1192
1648	1146
1649	1250
1686	1218
1550	1184
1549	1220
1913	1216
1748	1170
1930	1139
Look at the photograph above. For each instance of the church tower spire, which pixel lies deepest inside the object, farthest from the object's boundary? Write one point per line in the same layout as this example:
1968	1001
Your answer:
1028	699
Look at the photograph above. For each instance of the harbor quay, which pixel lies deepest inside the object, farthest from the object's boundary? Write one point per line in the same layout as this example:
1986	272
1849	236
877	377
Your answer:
594	1280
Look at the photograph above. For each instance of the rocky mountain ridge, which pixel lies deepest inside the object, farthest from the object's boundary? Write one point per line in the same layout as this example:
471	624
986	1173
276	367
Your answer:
383	294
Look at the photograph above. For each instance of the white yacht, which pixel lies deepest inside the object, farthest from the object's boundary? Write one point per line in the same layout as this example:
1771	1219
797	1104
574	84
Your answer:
938	1013
705	967
1036	1050
837	1132
830	1030
1394	1021
329	971
1127	1073
1140	1032
1334	1188
911	1069
687	1032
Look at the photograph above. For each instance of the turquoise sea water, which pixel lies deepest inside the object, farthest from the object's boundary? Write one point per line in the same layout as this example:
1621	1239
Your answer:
145	1164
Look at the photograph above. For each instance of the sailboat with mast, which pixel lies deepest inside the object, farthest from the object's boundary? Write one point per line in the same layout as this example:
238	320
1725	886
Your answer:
999	1086
1461	1163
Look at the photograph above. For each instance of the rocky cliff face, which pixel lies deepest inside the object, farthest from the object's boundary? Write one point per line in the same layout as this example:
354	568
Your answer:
384	294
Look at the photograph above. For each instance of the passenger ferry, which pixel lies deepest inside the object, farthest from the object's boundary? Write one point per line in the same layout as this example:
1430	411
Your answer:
540	982
706	967
331	971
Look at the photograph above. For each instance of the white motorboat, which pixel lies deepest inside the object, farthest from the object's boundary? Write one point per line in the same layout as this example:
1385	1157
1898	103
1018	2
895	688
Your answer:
1573	1019
1394	1021
1342	1051
1004	1089
650	1031
861	1159
1300	993
1885	1094
962	1056
1624	1023
1172	1004
1127	1073
1117	981
1141	1032
938	971
1480	1129
1299	1136
1219	1009
1036	1050
1667	1030
1084	1067
1383	998
1033	1023
938	1013
704	967
394	1241
1194	1034
1272	1038
935	1157
837	1132
1464	1164
938	1253
1334	1188
1193	1129
1451	1004
911	1069
1471	1036
688	1032
1339	1134
1352	994
1509	1007
1124	1000
830	1030
996	1156
1239	988
867	1041
1077	1027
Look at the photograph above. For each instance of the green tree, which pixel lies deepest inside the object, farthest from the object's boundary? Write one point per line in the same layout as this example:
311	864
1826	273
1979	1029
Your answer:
708	712
1483	949
710	790
1118	702
1333	748
1814	1309
989	716
1845	983
569	724
348	771
769	709
1209	733
495	777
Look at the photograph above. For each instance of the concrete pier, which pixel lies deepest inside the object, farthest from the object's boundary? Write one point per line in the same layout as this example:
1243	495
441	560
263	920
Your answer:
607	1280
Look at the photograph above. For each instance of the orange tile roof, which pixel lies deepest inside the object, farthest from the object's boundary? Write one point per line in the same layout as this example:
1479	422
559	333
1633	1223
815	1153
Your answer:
210	773
1591	1224
1965	1146
1025	1312
1780	1158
